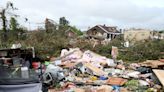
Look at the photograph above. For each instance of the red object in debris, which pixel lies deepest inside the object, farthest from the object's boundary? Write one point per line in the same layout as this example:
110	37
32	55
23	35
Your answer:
35	65
162	60
116	81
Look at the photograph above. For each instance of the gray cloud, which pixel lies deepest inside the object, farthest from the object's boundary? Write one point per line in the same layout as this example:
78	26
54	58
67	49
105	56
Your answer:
85	13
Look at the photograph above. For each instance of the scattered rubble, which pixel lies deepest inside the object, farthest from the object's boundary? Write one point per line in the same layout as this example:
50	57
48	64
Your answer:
153	63
90	72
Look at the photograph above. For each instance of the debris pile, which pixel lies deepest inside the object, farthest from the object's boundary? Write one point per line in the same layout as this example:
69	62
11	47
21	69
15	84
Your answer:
86	71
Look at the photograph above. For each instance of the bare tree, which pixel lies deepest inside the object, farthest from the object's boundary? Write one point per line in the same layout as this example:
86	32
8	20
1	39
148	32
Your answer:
9	6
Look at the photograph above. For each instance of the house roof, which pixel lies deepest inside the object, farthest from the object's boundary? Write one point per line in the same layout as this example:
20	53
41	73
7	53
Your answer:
108	29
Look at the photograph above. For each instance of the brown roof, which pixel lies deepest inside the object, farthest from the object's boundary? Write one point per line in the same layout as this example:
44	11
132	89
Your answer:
109	28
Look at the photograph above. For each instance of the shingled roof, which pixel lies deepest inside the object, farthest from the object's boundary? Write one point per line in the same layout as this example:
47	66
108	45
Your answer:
109	28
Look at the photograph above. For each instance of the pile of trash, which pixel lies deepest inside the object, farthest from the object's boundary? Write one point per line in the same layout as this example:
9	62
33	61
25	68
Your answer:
86	71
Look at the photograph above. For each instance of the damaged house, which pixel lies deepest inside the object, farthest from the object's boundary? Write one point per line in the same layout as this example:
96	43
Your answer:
103	31
135	35
70	33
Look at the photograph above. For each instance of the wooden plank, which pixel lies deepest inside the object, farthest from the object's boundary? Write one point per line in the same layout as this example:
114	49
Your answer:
116	81
94	69
160	75
67	65
152	63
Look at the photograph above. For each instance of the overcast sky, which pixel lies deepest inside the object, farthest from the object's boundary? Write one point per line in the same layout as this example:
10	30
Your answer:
87	13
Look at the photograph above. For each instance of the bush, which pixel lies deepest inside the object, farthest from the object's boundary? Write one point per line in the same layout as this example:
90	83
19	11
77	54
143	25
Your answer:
143	51
50	44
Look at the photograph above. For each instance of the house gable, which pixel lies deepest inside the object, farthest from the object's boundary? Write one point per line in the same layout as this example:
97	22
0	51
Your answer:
95	31
103	31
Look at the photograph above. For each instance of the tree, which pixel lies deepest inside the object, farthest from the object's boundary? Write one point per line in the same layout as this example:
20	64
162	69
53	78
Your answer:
63	21
4	36
13	34
16	31
21	33
76	30
3	17
161	31
13	24
9	6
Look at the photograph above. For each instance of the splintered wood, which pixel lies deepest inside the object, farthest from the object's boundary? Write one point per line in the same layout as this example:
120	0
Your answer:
160	75
94	69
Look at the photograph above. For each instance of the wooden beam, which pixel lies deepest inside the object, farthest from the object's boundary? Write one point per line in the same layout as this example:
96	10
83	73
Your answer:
160	75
